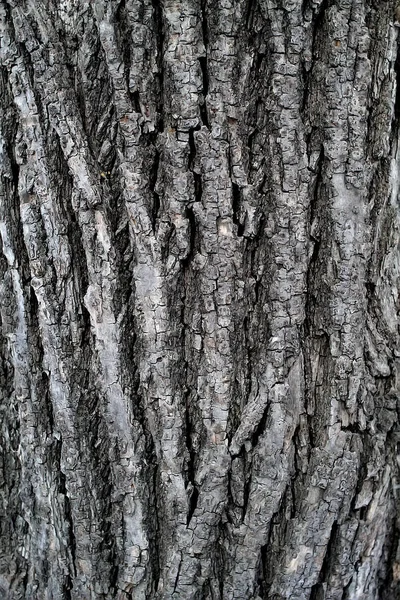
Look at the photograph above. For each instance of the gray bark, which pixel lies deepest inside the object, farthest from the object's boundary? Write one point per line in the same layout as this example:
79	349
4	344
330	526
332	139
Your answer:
199	296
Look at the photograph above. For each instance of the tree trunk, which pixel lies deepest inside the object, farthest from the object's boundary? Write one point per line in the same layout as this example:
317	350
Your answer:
199	296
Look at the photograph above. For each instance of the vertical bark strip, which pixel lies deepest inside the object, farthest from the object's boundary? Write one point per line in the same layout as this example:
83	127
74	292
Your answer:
199	296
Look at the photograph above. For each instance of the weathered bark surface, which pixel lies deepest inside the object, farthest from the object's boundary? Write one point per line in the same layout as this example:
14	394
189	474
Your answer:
199	296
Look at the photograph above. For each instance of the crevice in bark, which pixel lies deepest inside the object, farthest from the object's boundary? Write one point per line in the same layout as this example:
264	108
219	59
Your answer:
273	549
190	411
191	463
67	507
30	71
318	20
205	590
167	241
155	528
317	592
381	220
220	560
297	475
203	61
236	209
310	301
389	587
230	503
258	286
15	221
318	182
353	428
192	149
204	71
43	386
44	390
204	25
286	28
306	78
260	429
67	587
13	478
314	405
15	170
82	112
124	36
10	463
249	14
92	85
261	575
203	104
243	369
135	99
25	580
307	74
198	187
159	35
198	184
362	476
346	589
237	216
177	574
248	460
155	209
397	97
190	216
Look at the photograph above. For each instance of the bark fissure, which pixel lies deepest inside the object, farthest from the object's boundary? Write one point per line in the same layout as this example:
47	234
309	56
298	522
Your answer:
203	61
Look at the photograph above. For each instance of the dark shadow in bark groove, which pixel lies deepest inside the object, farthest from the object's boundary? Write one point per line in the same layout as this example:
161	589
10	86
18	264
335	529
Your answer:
318	18
155	209
160	35
236	209
192	148
203	104
397	73
247	470
390	585
231	508
317	590
191	463
261	427
270	560
67	510
178	574
155	527
264	553
189	214
124	38
203	60
198	185
191	411
249	14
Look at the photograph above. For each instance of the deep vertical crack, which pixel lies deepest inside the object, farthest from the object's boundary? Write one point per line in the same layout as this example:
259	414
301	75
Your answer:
159	35
203	60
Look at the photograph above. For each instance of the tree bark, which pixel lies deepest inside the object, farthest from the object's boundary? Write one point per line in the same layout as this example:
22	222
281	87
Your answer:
199	299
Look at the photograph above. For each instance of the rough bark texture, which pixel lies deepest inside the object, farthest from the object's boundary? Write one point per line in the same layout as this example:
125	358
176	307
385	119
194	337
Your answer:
199	296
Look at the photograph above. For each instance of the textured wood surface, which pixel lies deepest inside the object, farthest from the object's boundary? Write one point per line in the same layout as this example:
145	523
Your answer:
199	296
